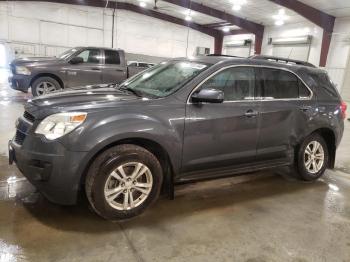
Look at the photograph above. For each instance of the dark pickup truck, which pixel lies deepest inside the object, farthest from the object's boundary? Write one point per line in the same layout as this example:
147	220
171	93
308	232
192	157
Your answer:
78	66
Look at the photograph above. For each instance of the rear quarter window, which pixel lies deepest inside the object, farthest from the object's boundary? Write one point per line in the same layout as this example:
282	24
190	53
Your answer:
324	88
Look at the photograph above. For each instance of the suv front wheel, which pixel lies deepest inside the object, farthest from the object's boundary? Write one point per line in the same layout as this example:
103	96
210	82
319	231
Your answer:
312	157
123	181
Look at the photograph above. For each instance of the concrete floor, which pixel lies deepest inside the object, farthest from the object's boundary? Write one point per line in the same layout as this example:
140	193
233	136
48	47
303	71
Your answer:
257	217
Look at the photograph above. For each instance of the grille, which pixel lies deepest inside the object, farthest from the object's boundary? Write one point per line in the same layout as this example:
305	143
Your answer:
19	137
28	116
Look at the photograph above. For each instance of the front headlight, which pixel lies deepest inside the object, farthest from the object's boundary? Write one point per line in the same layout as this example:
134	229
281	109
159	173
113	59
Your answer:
57	125
22	70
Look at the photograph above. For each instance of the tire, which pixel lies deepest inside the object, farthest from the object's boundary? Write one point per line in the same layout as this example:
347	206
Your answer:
105	175
307	169
45	85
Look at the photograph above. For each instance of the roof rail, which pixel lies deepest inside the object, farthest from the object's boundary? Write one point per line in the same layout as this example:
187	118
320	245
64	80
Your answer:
282	60
224	55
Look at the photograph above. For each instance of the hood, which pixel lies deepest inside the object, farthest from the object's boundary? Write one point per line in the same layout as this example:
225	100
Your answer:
31	60
83	98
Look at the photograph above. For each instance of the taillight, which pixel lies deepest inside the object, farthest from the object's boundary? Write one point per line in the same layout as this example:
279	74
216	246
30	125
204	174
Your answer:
343	107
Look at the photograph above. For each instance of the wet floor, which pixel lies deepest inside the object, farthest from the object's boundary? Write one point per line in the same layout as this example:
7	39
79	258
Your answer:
266	216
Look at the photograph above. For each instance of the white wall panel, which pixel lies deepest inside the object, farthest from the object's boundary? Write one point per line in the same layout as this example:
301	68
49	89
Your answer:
52	27
339	54
95	19
24	29
4	34
94	37
53	34
77	36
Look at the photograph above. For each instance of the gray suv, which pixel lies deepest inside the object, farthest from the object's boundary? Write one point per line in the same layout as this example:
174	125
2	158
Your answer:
78	66
180	121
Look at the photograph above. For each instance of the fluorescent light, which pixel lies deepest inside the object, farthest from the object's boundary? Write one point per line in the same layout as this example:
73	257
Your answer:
236	7
226	29
279	22
143	4
188	12
188	18
281	12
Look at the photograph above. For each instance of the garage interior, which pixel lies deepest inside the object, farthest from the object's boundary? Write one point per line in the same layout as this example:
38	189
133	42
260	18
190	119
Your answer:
262	216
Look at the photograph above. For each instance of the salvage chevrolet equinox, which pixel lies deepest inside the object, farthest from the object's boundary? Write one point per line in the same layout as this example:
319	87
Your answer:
182	120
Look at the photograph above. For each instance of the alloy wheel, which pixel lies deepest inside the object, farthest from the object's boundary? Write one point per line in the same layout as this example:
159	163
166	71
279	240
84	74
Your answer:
314	157
128	186
45	88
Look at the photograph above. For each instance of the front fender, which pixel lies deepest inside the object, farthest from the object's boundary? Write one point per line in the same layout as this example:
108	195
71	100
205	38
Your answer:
96	135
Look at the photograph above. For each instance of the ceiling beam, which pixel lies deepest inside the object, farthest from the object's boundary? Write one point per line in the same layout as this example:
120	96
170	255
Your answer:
250	26
318	17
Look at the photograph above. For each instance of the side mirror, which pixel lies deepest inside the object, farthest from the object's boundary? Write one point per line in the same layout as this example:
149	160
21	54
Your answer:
208	96
76	60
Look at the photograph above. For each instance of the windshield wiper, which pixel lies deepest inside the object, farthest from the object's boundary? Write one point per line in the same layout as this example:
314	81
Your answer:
130	90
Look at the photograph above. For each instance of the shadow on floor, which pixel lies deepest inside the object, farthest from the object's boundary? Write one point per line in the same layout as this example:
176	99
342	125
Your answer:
189	199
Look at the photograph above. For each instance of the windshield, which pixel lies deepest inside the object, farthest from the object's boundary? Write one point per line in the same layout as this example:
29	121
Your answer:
164	79
67	53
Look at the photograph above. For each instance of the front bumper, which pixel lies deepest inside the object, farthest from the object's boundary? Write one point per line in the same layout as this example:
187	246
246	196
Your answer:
51	168
20	82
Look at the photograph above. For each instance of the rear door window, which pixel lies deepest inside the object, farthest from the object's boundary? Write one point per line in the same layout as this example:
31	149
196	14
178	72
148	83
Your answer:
279	84
112	57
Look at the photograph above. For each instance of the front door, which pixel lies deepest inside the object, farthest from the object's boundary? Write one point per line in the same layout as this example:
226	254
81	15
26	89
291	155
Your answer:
225	134
88	72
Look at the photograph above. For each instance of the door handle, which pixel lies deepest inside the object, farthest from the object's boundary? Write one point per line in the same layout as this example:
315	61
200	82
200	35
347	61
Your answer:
119	70
96	69
251	113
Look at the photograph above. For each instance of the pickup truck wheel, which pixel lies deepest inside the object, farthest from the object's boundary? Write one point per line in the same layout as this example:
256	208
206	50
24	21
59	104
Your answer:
123	181
312	158
44	85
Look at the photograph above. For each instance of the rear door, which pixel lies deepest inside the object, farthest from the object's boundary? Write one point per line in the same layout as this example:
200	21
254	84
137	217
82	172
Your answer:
89	71
224	134
285	110
114	69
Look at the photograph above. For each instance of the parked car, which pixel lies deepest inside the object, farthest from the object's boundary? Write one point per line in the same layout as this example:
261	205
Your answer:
179	121
76	67
135	67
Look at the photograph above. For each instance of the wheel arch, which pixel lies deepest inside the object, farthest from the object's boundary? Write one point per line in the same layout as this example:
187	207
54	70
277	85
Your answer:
54	76
329	137
154	147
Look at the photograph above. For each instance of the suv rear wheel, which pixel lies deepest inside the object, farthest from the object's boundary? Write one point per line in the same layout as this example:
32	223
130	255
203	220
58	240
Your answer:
312	158
44	85
123	181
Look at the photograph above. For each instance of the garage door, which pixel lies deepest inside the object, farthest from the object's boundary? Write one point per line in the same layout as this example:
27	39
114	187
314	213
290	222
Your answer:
299	52
243	51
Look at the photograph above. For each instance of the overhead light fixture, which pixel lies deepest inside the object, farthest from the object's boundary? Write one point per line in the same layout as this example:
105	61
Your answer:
236	7
188	14
280	18
279	22
237	4
143	4
226	29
